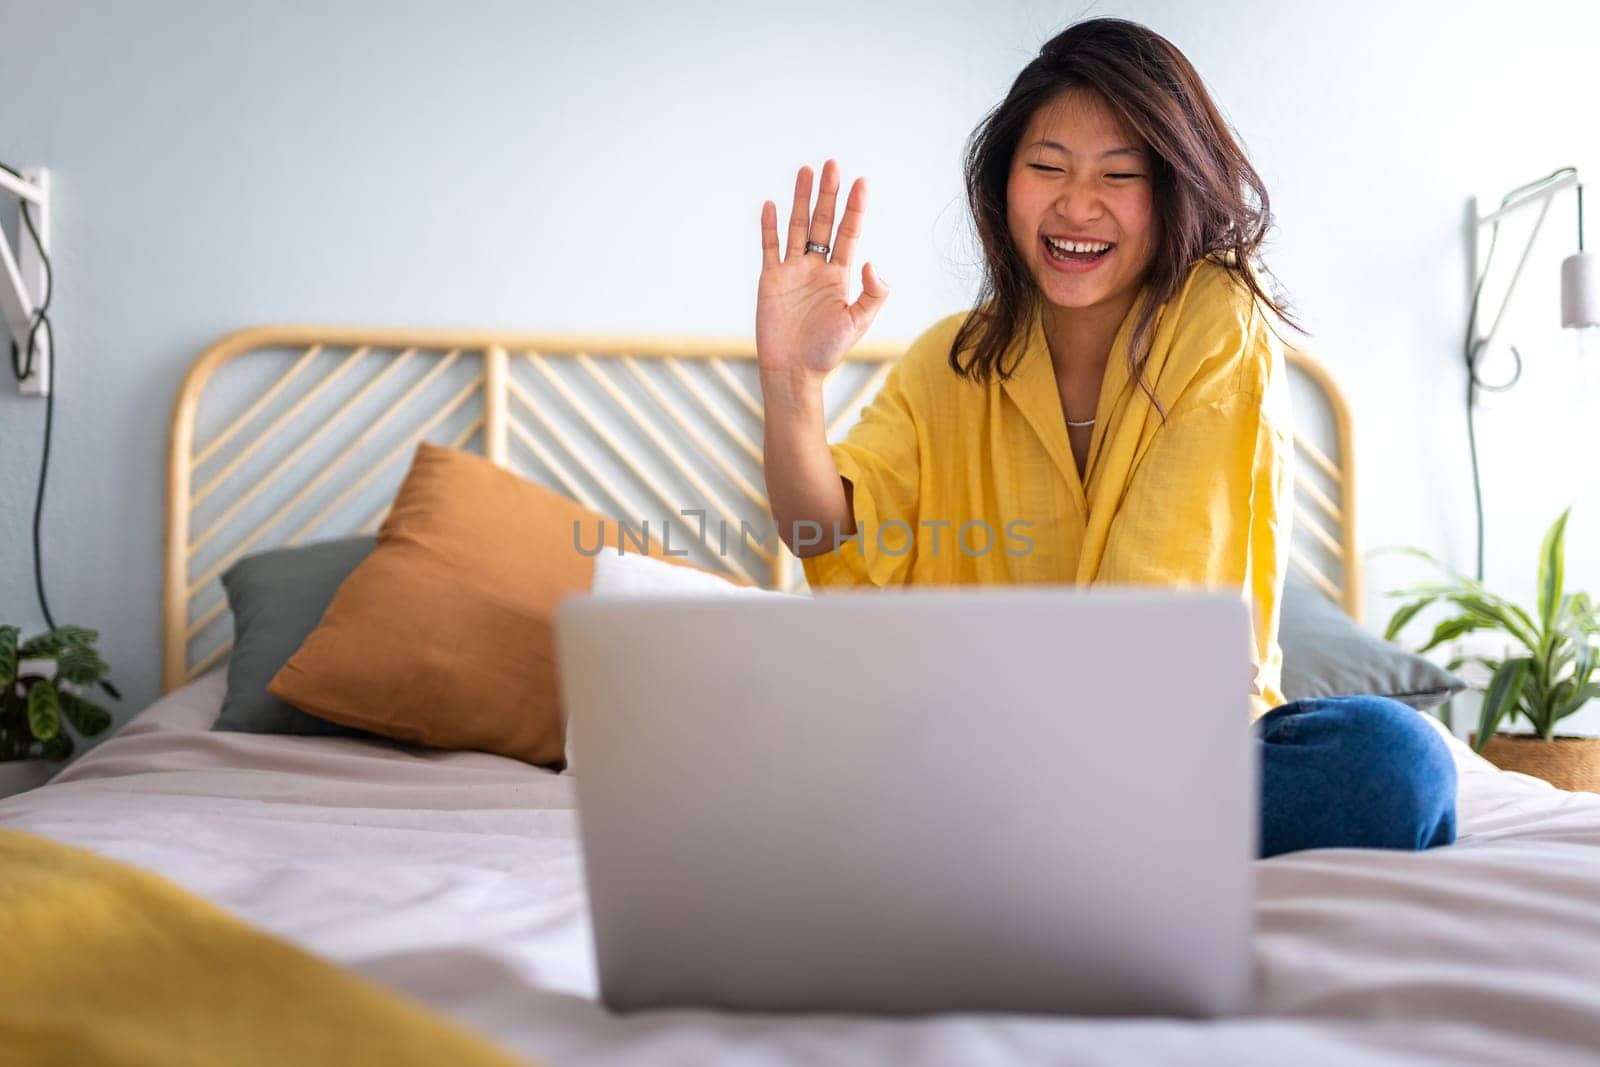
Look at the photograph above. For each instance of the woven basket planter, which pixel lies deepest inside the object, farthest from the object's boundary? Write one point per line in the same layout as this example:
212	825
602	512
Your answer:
1565	762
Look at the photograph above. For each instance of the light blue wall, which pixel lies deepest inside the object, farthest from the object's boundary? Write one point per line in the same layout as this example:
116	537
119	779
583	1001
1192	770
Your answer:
546	167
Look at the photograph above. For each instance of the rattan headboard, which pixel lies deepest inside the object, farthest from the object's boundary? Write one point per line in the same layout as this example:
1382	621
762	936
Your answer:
309	442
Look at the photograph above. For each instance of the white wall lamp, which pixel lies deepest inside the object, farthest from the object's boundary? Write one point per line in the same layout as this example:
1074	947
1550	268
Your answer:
1580	297
25	277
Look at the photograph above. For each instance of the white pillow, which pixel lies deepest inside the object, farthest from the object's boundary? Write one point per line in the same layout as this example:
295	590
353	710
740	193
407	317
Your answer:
633	574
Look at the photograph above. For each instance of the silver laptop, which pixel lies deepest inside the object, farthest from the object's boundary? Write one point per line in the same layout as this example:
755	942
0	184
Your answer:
1035	799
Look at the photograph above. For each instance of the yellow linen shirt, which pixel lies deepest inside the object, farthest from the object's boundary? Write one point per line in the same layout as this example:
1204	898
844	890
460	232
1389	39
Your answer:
956	482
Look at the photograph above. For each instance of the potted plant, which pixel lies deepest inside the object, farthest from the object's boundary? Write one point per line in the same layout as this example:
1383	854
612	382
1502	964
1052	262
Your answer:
41	683
1547	673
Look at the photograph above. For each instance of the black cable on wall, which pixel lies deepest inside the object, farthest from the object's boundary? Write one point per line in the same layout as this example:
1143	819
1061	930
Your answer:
22	367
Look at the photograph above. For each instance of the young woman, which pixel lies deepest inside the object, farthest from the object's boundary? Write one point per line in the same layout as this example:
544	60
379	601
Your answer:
1112	411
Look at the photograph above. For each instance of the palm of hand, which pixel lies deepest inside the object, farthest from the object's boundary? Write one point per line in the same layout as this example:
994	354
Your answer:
804	313
805	322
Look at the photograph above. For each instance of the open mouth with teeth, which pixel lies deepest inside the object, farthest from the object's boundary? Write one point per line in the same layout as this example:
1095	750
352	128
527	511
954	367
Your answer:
1077	251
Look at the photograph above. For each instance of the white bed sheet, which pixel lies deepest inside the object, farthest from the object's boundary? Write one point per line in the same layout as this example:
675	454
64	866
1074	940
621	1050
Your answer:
455	878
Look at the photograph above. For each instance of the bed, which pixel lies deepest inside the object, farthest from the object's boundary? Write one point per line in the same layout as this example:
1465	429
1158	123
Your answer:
454	877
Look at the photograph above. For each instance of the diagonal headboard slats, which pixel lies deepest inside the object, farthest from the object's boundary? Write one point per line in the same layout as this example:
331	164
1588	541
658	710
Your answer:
636	427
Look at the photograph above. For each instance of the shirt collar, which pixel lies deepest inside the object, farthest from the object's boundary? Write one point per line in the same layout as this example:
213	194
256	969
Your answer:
1032	387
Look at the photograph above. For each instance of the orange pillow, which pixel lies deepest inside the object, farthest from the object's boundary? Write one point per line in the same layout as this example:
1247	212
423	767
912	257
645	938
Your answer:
443	636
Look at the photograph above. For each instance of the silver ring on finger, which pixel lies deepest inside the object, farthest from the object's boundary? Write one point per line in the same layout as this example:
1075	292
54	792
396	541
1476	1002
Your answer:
812	246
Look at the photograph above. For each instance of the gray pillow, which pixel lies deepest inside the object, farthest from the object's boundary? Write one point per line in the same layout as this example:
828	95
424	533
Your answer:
1326	654
278	598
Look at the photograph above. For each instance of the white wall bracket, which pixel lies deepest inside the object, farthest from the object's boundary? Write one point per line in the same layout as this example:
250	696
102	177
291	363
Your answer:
22	275
1540	196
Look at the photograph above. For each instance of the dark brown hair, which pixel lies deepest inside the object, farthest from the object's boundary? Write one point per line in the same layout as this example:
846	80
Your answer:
1208	199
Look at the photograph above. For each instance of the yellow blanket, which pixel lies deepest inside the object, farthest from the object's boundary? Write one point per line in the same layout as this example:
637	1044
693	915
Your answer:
102	963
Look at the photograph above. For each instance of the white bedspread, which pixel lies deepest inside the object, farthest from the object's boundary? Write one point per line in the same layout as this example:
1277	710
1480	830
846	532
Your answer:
454	877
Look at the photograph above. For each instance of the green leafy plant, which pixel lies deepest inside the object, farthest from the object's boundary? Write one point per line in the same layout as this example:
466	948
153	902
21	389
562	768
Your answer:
1549	672
36	706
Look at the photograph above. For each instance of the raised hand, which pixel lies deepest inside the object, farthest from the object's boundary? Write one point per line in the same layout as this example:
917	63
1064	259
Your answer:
805	322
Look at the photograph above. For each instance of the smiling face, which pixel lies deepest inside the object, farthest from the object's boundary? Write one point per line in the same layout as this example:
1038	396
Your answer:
1080	205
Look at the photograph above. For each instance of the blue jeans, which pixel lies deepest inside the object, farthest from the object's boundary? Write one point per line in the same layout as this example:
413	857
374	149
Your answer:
1353	772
